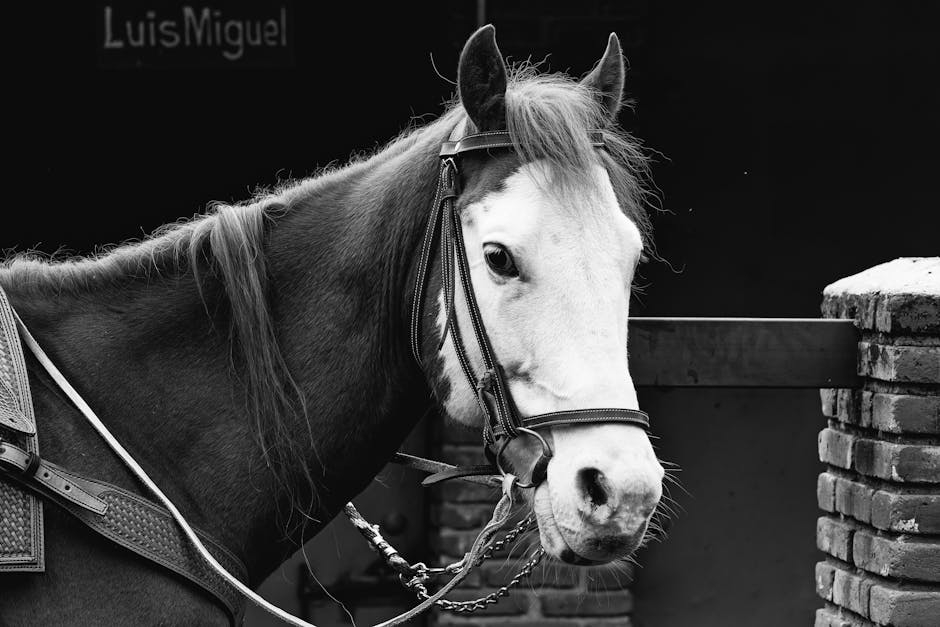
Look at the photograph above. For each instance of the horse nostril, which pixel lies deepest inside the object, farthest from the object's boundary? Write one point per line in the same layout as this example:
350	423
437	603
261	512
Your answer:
591	481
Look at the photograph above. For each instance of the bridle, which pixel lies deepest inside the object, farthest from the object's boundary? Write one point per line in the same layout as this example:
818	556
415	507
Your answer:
502	422
501	425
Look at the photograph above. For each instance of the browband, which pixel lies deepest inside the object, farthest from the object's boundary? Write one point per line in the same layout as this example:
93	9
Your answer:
497	139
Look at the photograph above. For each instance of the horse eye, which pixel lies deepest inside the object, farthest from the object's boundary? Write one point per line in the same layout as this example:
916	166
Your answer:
500	261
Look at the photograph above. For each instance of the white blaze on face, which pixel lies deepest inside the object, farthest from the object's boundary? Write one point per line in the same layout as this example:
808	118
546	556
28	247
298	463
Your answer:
560	332
560	329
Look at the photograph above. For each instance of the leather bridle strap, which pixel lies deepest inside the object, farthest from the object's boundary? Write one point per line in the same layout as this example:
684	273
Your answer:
497	139
502	419
128	520
482	474
586	416
141	474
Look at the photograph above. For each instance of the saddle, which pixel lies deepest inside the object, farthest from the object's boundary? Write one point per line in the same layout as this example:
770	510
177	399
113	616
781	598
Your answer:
21	530
127	519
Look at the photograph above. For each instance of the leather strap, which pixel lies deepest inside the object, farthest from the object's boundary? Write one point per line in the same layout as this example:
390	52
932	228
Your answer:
587	416
501	418
464	472
50	479
129	520
497	139
473	557
484	474
195	543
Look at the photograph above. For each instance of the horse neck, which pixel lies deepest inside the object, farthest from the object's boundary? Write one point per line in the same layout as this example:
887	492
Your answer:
345	329
339	263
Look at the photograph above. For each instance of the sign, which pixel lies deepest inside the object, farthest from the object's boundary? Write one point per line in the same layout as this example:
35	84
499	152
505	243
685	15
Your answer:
195	35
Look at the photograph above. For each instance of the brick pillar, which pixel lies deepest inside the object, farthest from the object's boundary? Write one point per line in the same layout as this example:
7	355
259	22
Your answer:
881	489
553	596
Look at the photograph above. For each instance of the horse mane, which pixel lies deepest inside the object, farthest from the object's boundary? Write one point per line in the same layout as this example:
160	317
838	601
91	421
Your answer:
548	116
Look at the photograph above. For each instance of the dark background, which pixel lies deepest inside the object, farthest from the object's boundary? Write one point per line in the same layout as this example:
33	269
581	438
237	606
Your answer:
795	143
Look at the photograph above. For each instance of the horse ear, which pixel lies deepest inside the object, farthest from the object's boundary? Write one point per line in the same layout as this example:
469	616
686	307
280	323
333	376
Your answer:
606	79
481	80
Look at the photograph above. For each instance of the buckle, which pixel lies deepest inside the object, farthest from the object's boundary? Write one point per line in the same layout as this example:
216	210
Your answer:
32	464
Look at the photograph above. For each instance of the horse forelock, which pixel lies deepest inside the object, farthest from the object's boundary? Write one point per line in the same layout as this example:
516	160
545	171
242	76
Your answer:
549	117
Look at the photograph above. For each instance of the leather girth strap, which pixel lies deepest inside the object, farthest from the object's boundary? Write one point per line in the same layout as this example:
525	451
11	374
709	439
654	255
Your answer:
128	520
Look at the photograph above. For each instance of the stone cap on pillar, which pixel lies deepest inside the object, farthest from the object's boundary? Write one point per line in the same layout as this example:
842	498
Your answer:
897	297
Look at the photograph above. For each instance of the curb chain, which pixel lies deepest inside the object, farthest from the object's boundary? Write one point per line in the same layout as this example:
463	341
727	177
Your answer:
417	583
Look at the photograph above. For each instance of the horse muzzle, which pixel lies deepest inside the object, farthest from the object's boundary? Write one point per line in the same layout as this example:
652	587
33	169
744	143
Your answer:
590	512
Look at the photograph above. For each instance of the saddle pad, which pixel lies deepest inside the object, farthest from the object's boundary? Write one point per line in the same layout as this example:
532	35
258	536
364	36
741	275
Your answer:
21	536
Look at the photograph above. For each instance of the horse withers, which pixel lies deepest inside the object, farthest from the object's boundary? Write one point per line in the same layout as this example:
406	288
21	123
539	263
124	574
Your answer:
257	363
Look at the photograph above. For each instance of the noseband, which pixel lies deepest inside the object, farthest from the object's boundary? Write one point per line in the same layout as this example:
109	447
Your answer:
502	422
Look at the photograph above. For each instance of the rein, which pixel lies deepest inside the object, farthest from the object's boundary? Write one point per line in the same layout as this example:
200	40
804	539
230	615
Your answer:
502	422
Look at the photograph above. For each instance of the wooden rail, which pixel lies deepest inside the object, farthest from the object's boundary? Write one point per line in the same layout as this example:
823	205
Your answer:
743	352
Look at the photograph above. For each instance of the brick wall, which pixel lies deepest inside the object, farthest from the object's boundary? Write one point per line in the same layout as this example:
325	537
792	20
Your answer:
553	596
881	490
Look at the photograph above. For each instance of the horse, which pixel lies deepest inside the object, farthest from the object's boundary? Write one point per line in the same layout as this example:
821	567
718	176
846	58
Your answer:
256	359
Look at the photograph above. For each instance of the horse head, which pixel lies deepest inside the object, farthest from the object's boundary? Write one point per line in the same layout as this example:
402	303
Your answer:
552	235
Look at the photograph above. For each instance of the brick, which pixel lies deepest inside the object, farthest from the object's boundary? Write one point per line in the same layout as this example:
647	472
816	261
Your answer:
461	515
906	364
883	411
515	604
854	499
904	607
885	508
462	455
835	617
834	536
851	591
465	492
452	543
883	601
897	462
545	576
453	432
587	604
900	296
826	492
604	580
455	543
901	413
828	399
474	579
906	512
876	458
835	447
917	314
848	405
825	575
904	557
